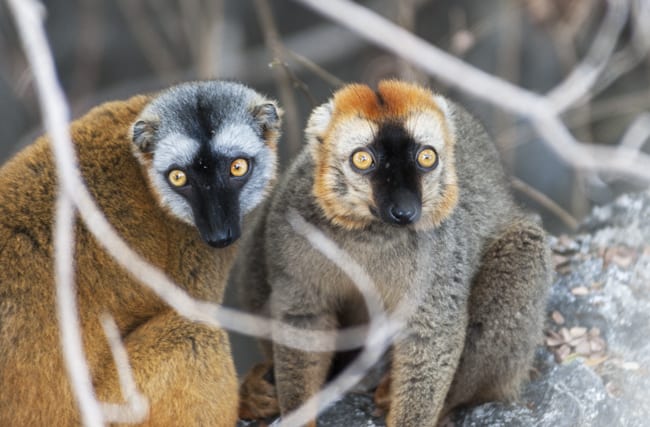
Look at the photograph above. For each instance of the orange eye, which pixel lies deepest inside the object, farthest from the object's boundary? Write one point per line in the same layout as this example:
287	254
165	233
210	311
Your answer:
362	160
177	178
239	167
427	158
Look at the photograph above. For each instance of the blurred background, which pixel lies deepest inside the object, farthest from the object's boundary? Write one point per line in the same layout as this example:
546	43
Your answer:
113	49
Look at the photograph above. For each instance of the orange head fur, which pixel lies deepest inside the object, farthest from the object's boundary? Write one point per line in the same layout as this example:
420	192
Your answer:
352	120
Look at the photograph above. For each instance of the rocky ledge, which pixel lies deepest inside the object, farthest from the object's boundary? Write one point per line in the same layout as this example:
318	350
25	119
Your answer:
593	368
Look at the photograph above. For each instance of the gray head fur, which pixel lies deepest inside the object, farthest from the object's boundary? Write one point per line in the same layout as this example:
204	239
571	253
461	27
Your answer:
209	119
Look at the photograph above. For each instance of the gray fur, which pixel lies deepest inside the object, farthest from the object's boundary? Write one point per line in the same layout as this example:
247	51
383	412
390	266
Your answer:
236	118
485	270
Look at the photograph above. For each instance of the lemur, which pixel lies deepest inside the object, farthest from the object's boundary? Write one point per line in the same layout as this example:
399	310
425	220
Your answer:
411	186
174	173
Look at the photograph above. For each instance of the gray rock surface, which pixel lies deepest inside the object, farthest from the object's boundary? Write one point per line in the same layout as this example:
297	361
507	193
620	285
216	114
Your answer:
594	367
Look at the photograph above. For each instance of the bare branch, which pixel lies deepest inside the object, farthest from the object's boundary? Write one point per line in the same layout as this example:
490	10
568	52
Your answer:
585	75
287	98
636	134
482	85
29	21
151	45
406	18
546	202
136	408
325	75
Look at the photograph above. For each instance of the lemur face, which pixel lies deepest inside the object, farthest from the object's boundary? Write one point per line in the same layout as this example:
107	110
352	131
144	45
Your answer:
209	148
384	155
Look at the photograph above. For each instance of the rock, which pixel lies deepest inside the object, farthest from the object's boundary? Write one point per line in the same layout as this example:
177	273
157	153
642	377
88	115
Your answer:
596	368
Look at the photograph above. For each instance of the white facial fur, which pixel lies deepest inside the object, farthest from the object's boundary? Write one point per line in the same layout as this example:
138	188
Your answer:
179	150
239	140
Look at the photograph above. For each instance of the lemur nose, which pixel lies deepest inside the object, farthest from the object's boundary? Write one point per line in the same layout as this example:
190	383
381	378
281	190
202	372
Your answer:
403	214
223	238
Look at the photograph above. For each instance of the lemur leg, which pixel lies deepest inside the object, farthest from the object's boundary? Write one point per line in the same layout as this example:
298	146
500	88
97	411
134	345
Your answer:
299	374
424	362
185	370
506	310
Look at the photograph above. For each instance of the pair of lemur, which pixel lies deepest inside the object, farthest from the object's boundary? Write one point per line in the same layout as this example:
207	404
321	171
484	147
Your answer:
405	181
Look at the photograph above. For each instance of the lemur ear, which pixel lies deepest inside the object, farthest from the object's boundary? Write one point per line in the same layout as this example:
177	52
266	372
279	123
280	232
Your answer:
319	121
447	110
143	134
268	115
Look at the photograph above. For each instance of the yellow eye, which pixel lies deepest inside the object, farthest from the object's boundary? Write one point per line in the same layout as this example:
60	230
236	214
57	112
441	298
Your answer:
239	167
362	160
427	158
177	178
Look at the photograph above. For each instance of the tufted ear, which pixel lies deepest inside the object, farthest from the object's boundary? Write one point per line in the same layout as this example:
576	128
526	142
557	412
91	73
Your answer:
447	110
143	134
319	121
268	116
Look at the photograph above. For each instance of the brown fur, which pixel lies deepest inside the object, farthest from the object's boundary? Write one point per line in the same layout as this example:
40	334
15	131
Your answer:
184	368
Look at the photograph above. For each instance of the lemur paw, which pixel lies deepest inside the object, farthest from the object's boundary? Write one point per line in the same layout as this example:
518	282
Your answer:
257	394
382	395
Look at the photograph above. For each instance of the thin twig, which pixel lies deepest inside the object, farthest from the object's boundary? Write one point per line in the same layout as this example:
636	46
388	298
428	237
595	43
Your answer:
546	202
295	81
316	69
287	98
152	46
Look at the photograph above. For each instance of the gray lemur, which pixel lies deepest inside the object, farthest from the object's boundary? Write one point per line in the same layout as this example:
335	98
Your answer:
174	173
411	186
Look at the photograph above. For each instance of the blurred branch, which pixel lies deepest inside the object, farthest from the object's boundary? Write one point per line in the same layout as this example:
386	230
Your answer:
136	408
282	79
507	67
203	26
407	18
585	75
634	53
89	50
546	202
29	15
151	44
316	69
191	22
626	103
636	134
457	73
296	83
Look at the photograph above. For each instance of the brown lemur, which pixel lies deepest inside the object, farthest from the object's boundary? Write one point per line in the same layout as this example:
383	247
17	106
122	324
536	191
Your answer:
174	173
411	186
